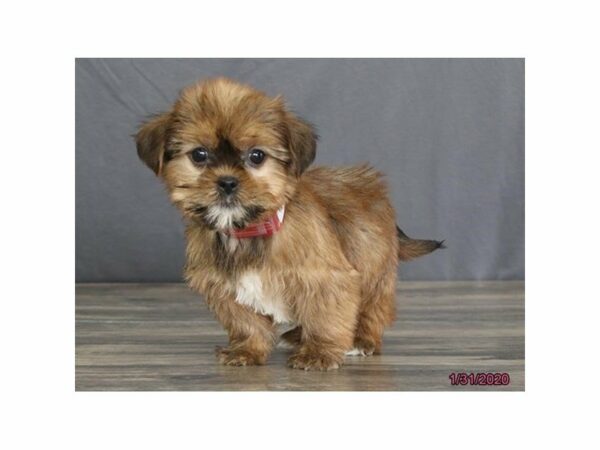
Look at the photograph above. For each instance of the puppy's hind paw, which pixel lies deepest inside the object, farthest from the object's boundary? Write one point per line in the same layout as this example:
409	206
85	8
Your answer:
364	347
360	352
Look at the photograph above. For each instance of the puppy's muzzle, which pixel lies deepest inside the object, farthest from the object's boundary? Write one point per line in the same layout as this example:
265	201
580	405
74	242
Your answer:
227	184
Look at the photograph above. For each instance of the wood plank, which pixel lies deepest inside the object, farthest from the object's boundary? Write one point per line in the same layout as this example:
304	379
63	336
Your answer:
160	337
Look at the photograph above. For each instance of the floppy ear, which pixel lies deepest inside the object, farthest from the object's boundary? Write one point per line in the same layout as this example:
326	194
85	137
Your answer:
150	141
302	141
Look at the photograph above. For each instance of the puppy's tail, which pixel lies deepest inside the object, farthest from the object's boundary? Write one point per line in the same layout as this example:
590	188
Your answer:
413	248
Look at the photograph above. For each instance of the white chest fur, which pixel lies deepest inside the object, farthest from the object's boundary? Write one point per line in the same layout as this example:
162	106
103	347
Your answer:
250	292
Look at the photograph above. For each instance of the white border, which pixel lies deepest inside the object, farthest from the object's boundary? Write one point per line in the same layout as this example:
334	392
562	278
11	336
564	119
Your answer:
40	40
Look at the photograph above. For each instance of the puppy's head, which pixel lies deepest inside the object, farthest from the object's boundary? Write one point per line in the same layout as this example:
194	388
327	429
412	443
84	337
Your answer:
229	155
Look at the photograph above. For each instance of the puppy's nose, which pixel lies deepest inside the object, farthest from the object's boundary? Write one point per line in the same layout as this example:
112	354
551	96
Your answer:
228	184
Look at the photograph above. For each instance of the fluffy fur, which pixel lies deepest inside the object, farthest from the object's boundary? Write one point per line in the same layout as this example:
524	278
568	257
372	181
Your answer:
331	269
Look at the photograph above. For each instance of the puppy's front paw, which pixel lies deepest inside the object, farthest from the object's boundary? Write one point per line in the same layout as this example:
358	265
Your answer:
313	361
239	357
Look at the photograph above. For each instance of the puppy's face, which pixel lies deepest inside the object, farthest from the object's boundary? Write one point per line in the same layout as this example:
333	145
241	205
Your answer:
228	154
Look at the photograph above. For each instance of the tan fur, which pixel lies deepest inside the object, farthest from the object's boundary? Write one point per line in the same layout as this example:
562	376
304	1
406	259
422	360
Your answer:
331	267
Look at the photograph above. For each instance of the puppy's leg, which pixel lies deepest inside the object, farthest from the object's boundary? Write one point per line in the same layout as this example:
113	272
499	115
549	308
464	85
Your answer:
371	323
251	335
377	311
327	320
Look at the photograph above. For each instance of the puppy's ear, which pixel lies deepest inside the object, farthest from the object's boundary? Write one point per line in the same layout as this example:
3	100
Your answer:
302	142
151	139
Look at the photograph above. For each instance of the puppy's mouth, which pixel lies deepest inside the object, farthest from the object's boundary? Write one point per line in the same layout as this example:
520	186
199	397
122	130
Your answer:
228	201
225	216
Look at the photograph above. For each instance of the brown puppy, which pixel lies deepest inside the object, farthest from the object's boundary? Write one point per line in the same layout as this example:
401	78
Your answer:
269	241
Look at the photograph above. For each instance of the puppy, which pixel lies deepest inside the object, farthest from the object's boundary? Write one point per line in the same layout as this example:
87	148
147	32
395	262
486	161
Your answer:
270	242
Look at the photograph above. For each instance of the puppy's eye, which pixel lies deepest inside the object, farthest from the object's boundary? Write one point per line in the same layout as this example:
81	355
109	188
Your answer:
199	155
256	156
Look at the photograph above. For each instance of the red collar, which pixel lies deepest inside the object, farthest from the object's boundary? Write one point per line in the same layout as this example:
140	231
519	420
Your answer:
261	229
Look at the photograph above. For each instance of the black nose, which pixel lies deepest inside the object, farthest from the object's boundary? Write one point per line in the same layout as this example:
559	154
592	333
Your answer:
228	184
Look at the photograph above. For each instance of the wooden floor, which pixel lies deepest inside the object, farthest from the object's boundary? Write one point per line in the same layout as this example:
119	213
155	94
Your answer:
158	337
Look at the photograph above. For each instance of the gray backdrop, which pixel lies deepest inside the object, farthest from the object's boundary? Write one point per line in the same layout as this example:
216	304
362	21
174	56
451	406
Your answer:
449	134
